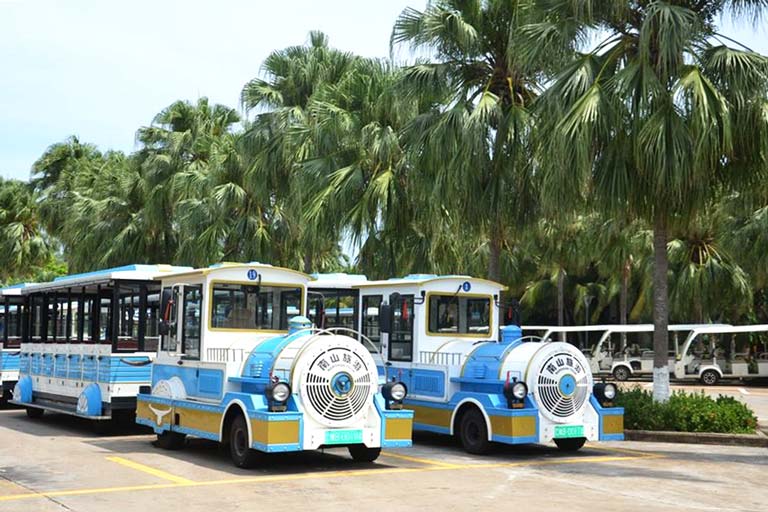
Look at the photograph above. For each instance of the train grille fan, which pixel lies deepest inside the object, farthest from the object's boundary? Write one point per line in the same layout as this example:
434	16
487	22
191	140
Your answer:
563	385
338	385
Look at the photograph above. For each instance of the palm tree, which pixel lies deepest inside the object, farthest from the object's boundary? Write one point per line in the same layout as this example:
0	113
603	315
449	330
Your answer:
560	248
706	284
653	119
476	147
621	245
179	150
23	246
282	136
61	170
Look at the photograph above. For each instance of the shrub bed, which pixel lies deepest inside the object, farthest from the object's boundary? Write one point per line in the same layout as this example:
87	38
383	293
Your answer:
685	412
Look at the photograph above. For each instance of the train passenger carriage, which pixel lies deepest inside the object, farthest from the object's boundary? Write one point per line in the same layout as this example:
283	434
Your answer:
88	341
235	365
11	311
440	336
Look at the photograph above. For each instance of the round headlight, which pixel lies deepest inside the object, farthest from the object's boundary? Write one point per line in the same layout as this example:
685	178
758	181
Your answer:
398	391
394	391
609	392
280	392
519	390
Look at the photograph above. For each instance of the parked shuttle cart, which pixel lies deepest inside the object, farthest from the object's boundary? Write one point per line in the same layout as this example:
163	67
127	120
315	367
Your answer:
440	336
716	352
626	351
236	366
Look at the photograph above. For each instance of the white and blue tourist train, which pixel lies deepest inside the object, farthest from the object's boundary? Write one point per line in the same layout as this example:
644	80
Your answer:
11	302
88	341
465	376
236	366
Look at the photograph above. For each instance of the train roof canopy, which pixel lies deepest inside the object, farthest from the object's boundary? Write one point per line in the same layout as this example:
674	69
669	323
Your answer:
228	266
420	280
126	272
339	280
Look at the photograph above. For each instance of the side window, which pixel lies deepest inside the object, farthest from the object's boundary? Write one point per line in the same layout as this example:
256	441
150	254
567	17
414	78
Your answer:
168	315
401	338
370	314
193	301
152	317
290	306
452	314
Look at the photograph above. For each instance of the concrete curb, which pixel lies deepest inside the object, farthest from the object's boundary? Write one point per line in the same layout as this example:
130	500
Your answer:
758	439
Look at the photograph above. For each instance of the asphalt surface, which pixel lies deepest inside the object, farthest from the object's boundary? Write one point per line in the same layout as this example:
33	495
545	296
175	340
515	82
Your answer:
58	464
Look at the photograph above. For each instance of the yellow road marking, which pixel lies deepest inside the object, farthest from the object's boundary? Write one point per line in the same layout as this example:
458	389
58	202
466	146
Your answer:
634	453
185	483
430	462
159	473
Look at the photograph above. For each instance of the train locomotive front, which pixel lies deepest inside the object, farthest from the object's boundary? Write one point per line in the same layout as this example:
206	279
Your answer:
255	387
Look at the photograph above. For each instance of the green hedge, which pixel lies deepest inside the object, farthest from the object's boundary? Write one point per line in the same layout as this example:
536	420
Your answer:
685	412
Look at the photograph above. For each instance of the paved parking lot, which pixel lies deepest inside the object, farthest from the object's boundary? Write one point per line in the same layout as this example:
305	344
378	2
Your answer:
57	464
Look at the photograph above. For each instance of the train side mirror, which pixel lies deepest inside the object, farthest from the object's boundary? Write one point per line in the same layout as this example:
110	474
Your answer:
385	318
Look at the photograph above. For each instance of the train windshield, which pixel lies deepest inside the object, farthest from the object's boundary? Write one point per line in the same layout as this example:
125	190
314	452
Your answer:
452	314
251	307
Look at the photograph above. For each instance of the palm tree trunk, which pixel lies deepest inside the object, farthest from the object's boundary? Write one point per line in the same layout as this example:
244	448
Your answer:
560	297
308	262
623	299
494	257
660	311
561	301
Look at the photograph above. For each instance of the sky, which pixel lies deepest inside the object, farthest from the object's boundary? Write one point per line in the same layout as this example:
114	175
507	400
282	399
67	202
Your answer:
100	69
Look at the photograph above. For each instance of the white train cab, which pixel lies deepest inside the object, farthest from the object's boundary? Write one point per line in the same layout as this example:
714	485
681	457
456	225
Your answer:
237	364
440	336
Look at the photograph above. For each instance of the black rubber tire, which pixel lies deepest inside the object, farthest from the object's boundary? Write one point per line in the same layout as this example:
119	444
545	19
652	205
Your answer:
621	373
473	432
243	456
571	444
361	453
170	440
709	377
35	413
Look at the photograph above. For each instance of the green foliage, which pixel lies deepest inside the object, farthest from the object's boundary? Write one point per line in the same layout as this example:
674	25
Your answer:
499	150
685	412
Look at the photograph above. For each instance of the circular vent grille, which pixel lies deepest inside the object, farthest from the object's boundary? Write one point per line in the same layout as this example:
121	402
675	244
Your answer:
562	385
337	385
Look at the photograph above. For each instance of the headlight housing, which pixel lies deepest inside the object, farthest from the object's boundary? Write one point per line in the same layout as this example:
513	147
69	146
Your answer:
515	393
278	394
519	390
394	393
605	393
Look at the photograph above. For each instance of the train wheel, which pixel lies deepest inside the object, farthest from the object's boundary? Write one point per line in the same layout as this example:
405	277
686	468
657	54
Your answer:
361	453
242	454
170	440
474	432
621	373
35	413
573	444
709	377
